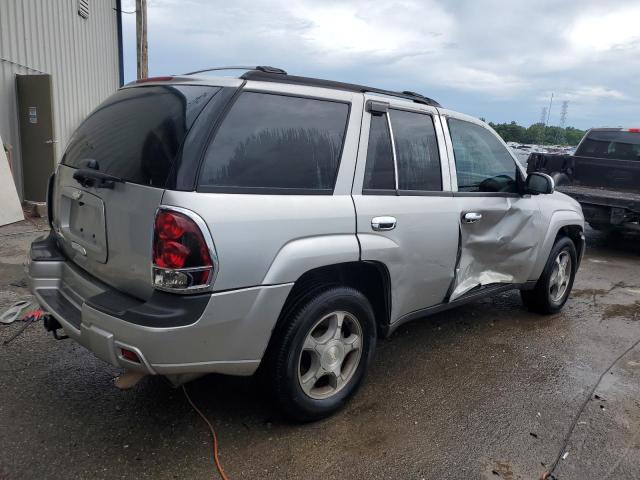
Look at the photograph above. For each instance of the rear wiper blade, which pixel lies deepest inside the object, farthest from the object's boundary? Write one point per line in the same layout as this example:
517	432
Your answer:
92	178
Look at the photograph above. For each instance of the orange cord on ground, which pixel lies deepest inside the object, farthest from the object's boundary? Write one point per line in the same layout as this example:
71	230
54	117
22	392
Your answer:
213	435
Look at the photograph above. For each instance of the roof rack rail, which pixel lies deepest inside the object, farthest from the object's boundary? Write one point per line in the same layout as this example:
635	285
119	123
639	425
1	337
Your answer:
264	75
260	68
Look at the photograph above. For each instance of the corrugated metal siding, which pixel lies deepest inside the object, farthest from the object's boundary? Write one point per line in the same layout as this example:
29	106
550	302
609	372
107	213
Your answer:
81	55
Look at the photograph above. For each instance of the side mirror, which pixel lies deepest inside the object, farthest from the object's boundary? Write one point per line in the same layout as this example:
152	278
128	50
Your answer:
539	183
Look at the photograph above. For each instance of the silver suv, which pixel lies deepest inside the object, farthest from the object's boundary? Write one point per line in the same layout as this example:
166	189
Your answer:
281	224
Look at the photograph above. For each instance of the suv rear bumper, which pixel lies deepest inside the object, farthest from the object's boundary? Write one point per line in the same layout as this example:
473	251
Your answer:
173	335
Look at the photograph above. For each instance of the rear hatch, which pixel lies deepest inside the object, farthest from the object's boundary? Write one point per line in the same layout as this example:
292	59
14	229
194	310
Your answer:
121	157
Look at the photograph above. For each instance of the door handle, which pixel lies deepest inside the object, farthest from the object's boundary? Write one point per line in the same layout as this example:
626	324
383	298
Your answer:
50	141
383	224
471	217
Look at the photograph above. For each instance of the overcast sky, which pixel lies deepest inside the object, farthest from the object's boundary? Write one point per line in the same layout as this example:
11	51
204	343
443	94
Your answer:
494	59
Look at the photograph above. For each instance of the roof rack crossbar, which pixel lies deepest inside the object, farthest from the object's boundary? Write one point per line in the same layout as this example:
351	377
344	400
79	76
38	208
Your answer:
273	74
267	76
260	68
416	97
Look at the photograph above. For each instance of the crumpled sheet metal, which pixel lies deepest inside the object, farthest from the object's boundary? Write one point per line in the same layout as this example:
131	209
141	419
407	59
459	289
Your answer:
499	249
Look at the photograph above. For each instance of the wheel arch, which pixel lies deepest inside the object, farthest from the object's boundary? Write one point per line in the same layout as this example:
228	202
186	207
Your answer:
576	234
566	223
371	278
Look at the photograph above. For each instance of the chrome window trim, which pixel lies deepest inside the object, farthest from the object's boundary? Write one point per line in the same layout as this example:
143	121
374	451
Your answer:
393	150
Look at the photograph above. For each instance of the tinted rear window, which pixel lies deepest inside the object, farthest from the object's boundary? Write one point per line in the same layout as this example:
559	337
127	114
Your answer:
416	151
136	133
379	172
271	143
611	144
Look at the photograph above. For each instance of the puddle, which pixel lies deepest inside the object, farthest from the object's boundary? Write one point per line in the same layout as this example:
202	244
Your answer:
588	292
630	311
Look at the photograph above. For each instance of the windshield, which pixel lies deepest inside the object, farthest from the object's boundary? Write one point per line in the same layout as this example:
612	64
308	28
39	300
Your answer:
616	144
136	134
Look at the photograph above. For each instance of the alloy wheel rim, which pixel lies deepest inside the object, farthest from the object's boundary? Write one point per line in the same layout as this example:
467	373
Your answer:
560	276
330	355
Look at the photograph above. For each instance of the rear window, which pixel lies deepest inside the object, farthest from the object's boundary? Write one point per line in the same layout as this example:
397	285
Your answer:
271	143
611	144
136	133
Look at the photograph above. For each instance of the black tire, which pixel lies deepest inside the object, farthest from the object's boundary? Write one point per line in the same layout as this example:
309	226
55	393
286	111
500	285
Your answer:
540	299
284	361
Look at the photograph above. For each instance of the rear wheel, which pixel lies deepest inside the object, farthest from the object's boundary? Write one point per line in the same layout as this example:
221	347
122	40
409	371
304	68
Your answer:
554	285
323	353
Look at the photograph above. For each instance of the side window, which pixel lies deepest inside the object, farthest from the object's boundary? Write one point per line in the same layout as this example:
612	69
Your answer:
483	164
279	143
416	151
379	172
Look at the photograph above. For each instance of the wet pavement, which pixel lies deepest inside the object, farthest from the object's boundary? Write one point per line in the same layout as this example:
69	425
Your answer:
487	391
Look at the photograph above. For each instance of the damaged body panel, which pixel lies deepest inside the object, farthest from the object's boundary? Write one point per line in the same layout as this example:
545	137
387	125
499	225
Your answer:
499	246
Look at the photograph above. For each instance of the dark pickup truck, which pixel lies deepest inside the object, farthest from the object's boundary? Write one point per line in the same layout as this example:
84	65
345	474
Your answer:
603	175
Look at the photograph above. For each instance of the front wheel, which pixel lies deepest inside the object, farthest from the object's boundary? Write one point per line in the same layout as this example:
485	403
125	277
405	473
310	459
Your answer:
554	285
323	353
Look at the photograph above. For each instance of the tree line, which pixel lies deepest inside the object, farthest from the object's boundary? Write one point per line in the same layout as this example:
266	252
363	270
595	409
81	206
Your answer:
538	133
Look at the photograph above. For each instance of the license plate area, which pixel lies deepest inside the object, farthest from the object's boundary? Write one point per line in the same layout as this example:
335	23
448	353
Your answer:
82	221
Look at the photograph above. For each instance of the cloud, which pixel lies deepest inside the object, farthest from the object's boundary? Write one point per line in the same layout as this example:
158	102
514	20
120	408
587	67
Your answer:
491	58
594	93
604	30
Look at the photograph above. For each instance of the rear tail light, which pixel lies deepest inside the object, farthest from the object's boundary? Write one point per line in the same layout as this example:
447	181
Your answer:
183	254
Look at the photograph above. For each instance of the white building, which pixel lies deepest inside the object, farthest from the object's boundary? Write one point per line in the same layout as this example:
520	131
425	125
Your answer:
58	60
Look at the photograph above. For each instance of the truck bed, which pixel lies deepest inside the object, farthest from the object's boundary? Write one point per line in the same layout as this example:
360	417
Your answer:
608	189
602	196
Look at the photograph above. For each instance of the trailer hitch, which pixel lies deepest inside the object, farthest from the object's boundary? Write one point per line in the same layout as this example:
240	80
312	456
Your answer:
52	325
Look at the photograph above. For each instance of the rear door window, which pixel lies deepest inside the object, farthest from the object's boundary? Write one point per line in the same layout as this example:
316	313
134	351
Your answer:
416	154
483	164
379	170
270	143
136	134
416	151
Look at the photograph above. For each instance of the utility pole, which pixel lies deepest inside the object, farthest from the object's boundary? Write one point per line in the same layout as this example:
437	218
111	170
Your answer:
543	115
545	123
543	119
563	121
141	38
563	113
549	111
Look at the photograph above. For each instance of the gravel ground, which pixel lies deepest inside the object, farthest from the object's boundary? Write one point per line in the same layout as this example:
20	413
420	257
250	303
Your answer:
487	391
